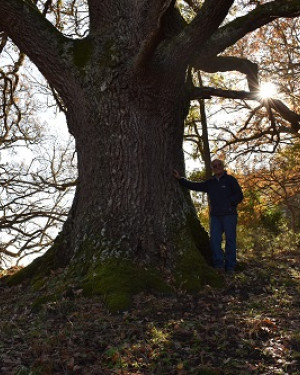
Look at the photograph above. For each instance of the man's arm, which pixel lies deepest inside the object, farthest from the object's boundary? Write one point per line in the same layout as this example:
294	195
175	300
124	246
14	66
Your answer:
237	194
191	185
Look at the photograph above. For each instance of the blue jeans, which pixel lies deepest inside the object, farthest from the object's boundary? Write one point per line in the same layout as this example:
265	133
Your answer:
219	225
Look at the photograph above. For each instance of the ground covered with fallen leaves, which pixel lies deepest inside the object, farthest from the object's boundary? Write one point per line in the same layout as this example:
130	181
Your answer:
249	326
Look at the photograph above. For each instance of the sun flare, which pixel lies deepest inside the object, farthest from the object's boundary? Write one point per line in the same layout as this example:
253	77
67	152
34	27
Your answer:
267	90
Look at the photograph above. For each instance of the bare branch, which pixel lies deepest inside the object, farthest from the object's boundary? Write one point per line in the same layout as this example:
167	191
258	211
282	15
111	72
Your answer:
292	117
208	92
35	36
232	63
238	28
153	27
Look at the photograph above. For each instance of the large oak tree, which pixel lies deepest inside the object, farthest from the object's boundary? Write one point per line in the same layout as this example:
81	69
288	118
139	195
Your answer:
126	90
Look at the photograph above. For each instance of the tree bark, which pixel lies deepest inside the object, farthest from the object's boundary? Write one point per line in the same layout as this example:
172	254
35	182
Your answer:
128	140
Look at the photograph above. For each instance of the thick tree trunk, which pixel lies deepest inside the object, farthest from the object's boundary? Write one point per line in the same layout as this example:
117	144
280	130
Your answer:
131	227
127	204
128	208
126	106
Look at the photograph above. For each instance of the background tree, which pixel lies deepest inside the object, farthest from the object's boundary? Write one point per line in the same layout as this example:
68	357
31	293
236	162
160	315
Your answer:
278	184
36	172
125	90
35	198
258	128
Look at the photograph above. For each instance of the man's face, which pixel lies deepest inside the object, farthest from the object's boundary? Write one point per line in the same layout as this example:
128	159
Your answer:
217	167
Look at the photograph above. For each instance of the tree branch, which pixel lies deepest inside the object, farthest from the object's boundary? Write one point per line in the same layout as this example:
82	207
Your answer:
3	42
237	29
231	63
187	44
101	14
36	37
152	27
292	117
208	92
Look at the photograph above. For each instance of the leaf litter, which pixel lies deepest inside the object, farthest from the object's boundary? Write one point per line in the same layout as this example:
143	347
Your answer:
249	326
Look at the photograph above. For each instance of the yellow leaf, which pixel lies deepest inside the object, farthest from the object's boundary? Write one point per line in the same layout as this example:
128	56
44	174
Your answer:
180	366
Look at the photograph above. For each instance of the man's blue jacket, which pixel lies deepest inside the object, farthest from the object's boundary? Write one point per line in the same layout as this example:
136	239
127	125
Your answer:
224	194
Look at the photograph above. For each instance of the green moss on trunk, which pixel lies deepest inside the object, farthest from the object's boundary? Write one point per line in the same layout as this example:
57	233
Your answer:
192	272
82	52
40	267
40	301
118	280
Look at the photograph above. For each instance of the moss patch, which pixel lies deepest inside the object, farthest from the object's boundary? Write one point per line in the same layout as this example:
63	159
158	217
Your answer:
199	235
82	52
39	268
81	264
115	279
192	272
118	280
32	273
40	301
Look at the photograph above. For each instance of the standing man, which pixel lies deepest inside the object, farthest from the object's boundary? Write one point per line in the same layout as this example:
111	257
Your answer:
224	193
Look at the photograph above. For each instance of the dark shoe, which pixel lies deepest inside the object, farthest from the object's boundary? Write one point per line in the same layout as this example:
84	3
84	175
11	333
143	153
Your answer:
220	271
